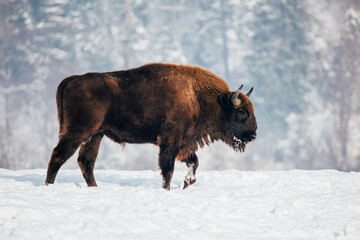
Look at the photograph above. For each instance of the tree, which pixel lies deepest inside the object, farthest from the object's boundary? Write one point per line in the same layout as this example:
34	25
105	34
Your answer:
277	66
339	87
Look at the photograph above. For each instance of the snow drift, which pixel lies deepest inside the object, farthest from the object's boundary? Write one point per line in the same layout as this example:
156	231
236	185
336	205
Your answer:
221	205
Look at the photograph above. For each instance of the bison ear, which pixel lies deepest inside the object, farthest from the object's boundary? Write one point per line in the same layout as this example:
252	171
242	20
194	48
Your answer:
225	101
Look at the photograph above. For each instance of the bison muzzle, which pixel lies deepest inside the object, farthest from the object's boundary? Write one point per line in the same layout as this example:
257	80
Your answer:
175	107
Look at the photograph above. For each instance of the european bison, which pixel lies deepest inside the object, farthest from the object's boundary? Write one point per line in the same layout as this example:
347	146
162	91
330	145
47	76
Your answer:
175	107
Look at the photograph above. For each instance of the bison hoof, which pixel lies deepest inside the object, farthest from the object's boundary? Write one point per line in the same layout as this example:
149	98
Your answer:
184	184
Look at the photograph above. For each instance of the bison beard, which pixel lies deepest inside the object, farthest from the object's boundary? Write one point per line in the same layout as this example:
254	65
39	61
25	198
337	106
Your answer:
175	107
238	144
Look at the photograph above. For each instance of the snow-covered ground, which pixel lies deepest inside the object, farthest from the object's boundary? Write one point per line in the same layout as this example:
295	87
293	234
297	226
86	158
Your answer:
221	205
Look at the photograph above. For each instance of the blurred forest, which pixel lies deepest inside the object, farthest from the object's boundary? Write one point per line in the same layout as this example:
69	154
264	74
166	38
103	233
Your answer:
301	56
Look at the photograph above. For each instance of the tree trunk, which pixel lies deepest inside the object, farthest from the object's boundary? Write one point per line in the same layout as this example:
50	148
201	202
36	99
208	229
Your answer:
225	46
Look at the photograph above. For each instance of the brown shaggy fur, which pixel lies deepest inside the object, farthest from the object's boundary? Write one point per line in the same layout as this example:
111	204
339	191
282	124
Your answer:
176	107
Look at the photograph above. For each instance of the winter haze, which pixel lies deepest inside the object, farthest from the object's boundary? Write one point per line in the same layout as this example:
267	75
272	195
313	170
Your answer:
302	57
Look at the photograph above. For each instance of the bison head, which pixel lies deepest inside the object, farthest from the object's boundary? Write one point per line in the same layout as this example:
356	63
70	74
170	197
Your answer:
238	119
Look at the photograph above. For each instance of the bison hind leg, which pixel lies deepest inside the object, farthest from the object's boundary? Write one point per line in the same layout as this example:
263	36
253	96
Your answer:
192	163
87	156
61	153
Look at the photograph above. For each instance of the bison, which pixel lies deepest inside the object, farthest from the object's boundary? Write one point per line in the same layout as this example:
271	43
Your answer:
175	107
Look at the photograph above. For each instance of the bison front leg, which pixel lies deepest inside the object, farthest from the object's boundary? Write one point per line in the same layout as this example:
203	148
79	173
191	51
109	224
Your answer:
192	163
166	164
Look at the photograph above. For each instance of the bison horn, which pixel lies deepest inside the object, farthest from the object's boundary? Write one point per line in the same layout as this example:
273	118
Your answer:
249	93
234	99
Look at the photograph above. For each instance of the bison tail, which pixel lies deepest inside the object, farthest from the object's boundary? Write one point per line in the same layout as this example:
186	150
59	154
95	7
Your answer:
59	104
59	101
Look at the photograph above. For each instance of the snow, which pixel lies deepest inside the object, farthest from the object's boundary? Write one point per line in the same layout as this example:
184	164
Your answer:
232	204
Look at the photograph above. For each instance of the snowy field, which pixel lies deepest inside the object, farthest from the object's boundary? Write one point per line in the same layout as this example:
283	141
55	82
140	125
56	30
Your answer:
221	205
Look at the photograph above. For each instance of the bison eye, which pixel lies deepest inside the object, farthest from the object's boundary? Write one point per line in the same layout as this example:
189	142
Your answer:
241	115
